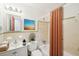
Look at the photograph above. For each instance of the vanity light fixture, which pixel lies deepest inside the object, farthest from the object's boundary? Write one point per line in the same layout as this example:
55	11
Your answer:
12	9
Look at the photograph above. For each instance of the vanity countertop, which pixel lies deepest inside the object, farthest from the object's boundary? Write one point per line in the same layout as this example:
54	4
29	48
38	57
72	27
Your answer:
12	47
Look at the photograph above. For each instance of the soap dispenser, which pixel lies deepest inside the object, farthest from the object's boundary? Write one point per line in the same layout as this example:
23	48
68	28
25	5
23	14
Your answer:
24	42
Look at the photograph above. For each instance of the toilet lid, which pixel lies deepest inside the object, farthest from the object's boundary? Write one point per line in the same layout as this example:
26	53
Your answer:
32	46
36	53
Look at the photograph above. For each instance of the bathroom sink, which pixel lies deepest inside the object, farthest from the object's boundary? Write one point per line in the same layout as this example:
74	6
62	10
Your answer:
4	47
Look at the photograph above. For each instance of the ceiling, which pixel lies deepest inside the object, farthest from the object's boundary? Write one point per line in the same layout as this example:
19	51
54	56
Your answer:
35	10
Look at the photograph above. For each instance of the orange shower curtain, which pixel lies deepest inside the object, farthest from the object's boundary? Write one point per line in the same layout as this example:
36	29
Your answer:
56	17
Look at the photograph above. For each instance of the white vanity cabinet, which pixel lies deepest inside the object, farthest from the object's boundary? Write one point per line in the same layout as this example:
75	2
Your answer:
15	52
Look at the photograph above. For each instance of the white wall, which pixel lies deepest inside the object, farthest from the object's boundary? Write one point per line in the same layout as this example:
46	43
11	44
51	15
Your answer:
35	10
71	9
71	29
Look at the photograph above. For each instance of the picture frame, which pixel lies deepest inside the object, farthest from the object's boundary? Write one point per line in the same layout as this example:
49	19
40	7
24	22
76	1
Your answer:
30	25
18	24
14	23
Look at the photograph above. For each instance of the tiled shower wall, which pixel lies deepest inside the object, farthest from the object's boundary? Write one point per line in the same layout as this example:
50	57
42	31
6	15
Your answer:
71	28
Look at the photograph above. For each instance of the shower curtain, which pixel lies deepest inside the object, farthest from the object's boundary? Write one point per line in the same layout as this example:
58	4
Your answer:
56	32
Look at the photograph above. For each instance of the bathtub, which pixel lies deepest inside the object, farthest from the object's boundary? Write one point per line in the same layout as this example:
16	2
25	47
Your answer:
67	54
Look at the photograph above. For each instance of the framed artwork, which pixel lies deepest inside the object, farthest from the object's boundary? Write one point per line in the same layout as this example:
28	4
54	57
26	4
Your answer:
17	24
30	25
14	23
